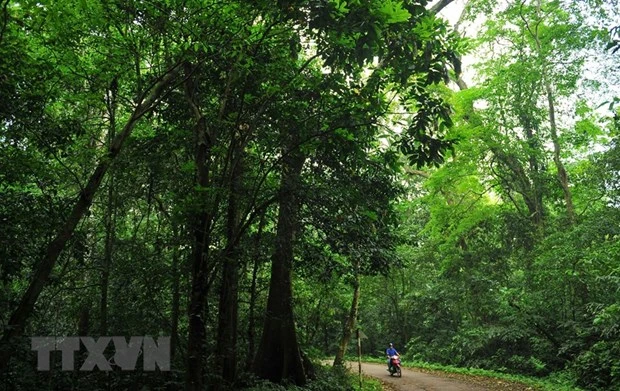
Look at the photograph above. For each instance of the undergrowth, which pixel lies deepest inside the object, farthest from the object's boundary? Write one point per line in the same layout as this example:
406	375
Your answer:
327	379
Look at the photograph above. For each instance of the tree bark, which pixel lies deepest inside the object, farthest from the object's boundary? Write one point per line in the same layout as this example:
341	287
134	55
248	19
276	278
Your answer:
553	128
107	260
440	5
200	251
278	357
562	175
347	331
176	300
176	280
5	18
226	348
19	317
254	295
199	290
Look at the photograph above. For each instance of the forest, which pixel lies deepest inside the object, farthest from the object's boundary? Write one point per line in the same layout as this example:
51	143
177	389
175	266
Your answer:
254	181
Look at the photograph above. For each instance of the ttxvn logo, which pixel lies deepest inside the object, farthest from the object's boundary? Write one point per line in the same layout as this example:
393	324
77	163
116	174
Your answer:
125	353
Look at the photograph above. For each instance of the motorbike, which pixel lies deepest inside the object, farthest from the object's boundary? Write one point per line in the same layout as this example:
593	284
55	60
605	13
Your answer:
395	366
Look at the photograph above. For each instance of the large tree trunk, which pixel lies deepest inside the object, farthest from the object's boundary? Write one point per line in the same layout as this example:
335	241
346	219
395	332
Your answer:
278	357
347	330
226	348
19	317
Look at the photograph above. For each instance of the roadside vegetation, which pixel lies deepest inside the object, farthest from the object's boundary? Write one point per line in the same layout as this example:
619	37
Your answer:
483	376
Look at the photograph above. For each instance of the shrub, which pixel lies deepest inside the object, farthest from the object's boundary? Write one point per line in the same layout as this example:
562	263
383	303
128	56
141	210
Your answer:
599	367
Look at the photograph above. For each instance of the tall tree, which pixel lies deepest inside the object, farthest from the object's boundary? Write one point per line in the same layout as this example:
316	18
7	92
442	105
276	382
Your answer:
278	357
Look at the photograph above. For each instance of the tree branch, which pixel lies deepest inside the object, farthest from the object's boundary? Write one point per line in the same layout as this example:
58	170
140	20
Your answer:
438	7
5	19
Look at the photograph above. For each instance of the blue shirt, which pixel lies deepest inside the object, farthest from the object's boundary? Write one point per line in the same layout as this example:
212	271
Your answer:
391	352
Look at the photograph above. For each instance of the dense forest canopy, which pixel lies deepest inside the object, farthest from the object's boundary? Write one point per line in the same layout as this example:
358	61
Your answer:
258	180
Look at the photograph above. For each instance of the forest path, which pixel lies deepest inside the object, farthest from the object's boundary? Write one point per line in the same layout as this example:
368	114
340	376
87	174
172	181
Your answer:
417	380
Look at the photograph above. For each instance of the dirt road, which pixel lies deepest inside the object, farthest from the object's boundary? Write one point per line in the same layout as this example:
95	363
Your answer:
414	380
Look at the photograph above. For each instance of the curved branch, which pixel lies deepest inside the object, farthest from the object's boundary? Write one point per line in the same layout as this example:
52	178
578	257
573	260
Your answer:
438	7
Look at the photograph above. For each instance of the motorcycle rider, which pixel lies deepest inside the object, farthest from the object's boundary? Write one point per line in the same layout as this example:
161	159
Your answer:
391	352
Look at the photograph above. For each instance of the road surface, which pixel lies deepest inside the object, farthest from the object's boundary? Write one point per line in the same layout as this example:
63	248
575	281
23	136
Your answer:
415	380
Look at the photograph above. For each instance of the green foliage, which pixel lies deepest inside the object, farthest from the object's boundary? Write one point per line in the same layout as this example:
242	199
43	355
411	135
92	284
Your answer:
472	262
496	276
76	77
599	367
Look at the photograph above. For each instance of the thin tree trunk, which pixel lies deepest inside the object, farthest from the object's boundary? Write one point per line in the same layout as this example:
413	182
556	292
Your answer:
84	319
83	326
4	18
19	317
110	214
200	250
315	322
107	260
176	281
198	297
226	348
347	331
254	295
536	192
562	175
203	225
523	105
176	300
278	357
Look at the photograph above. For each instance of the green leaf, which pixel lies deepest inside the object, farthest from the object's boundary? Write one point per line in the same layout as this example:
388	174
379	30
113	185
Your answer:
393	12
